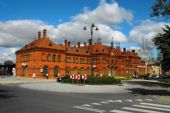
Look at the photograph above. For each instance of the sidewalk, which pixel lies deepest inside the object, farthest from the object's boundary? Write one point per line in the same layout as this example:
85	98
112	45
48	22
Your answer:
52	85
17	80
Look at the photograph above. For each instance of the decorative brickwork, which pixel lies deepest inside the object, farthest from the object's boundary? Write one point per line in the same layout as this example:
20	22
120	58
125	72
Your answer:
47	59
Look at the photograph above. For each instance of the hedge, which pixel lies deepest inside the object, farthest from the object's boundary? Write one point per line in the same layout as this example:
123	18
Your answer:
94	80
165	80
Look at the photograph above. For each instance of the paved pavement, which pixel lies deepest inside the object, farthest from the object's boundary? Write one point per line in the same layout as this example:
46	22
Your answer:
14	99
52	85
17	80
27	95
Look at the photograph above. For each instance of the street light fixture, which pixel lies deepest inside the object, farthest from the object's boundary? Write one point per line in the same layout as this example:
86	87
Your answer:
92	27
23	67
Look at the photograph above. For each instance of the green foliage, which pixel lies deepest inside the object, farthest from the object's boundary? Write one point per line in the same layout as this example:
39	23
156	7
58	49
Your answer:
165	80
95	80
129	78
161	8
8	63
162	41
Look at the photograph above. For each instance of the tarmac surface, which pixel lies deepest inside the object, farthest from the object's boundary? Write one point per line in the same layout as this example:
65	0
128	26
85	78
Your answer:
27	95
52	85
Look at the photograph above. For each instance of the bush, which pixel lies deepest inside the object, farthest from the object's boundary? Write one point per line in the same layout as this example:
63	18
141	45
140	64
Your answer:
165	80
95	80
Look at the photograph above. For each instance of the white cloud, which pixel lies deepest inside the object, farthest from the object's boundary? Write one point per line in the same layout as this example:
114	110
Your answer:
106	13
74	32
17	33
147	30
7	54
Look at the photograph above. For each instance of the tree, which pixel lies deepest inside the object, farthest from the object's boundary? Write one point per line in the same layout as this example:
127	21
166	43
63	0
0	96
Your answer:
8	63
161	8
162	42
8	67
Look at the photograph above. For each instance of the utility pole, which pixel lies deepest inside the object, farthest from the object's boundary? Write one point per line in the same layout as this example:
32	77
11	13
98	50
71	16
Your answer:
92	27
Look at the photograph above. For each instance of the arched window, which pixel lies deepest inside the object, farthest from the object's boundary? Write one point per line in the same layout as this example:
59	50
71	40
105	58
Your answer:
67	71
75	70
45	70
56	71
54	58
81	71
48	57
104	72
88	71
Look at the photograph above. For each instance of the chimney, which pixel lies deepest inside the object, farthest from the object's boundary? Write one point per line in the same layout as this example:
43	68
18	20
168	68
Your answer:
124	50
69	43
65	42
78	44
39	34
44	33
133	51
90	42
84	43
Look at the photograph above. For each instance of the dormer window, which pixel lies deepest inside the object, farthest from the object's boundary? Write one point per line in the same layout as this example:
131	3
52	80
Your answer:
77	50
102	50
97	50
50	44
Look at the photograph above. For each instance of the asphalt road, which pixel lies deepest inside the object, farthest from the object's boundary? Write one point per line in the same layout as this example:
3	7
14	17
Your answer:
14	99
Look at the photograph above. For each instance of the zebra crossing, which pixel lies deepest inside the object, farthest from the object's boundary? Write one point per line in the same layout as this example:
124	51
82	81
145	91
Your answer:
136	106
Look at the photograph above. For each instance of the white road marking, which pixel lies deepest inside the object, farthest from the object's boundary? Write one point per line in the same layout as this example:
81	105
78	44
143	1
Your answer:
120	111
140	100
129	100
140	110
86	105
104	102
118	100
149	107
157	105
110	101
96	104
90	109
148	99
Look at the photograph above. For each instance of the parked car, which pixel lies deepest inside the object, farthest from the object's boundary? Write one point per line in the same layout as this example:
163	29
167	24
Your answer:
164	76
61	78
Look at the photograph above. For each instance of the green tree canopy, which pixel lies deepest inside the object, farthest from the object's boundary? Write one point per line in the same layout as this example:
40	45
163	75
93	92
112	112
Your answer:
8	63
162	42
161	8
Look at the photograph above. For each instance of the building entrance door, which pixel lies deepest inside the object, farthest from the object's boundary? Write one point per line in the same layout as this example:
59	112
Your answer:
45	71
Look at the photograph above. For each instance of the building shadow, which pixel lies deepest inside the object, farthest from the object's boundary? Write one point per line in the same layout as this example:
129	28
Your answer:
5	94
148	83
142	91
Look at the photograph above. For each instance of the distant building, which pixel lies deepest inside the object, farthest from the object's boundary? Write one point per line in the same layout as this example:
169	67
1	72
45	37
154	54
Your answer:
154	68
43	57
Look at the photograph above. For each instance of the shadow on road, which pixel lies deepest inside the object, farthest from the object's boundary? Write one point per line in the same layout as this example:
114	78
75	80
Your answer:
149	84
142	91
4	94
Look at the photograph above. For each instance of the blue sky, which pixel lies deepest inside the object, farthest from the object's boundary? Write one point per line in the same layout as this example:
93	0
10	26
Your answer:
127	21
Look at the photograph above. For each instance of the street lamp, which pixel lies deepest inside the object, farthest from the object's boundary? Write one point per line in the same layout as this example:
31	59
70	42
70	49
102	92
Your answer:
92	27
23	66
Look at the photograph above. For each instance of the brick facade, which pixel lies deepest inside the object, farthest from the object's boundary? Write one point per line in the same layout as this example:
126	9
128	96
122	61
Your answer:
42	56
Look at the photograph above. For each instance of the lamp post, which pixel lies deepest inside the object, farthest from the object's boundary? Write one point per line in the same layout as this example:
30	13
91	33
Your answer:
23	66
92	27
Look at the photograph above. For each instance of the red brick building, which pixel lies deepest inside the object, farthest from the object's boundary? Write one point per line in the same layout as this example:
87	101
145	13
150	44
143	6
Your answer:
42	56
